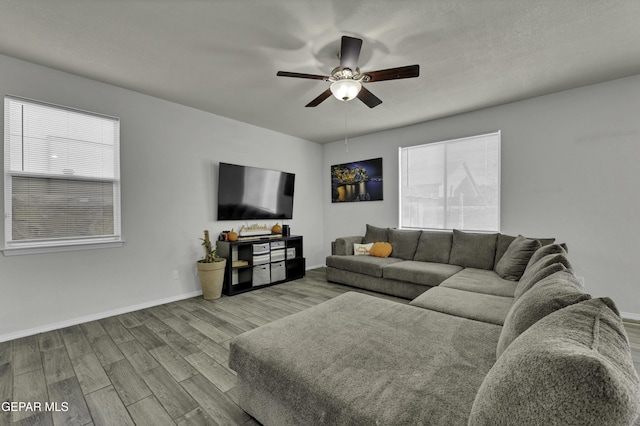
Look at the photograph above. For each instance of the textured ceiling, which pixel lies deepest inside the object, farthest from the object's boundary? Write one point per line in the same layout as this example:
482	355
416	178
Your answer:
222	56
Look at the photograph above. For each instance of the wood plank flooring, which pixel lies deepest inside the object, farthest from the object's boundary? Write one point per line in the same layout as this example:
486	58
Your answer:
165	365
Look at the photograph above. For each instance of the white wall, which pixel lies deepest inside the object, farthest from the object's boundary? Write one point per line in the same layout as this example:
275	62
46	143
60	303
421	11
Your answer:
169	157
570	169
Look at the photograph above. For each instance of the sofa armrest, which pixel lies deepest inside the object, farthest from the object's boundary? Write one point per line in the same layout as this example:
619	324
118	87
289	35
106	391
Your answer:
344	245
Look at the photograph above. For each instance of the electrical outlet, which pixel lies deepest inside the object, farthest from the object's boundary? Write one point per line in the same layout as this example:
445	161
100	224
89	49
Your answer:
176	274
581	280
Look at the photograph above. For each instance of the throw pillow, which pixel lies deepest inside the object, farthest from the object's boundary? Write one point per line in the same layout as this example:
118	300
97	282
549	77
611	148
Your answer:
550	294
434	247
404	243
362	249
516	258
571	367
539	270
375	234
381	249
505	240
473	250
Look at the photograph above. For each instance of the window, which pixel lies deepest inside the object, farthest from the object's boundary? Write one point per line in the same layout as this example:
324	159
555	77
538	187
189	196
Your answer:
61	177
452	184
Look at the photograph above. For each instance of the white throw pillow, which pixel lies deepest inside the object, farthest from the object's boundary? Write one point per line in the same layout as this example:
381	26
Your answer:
362	249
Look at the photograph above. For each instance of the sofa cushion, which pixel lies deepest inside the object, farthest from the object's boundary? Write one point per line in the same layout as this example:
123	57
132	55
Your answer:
505	240
572	367
425	273
434	247
546	266
480	307
473	250
480	281
545	251
401	289
514	261
375	234
362	360
367	265
548	295
404	243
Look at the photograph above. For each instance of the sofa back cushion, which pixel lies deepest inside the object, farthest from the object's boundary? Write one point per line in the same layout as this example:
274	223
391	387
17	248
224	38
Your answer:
473	250
546	266
375	234
504	240
547	250
571	367
404	243
548	295
434	247
516	258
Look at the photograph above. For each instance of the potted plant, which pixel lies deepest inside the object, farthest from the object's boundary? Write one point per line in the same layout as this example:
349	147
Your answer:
211	270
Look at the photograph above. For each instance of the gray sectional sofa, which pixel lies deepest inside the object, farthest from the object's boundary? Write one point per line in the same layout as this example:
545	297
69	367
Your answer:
424	259
511	340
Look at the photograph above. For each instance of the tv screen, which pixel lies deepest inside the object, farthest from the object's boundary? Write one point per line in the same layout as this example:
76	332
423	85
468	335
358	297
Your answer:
252	193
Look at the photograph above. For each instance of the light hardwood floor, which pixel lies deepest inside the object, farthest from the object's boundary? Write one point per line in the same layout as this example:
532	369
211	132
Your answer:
164	365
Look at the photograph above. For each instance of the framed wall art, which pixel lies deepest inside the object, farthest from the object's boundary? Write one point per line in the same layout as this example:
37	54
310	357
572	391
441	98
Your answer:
357	181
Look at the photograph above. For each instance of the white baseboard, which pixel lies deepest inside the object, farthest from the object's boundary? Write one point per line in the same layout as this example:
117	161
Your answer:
93	317
101	315
314	267
630	316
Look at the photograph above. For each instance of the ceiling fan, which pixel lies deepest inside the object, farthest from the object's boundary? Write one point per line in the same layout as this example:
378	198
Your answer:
346	80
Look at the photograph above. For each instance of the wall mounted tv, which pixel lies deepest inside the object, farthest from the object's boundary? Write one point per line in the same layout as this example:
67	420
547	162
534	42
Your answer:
253	193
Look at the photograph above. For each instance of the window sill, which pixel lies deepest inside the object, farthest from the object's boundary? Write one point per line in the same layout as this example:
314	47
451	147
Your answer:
17	251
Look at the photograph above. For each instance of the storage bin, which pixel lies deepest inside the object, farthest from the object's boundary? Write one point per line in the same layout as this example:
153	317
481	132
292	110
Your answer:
278	272
277	255
261	248
261	275
275	245
291	253
261	259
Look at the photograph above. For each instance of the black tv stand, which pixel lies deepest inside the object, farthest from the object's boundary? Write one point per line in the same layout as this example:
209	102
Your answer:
260	262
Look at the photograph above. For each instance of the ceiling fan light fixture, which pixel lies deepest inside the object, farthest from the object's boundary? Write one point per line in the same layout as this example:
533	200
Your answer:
345	90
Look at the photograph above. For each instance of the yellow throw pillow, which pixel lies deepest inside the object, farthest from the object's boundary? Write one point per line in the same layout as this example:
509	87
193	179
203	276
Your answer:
380	250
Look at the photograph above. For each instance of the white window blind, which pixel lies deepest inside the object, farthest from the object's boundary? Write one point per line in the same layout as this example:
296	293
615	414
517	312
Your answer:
61	174
452	184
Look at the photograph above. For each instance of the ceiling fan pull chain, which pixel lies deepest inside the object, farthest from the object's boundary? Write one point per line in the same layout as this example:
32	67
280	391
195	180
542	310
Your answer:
346	143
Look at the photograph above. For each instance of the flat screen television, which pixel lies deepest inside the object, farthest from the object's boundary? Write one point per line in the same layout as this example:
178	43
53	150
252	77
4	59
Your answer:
253	193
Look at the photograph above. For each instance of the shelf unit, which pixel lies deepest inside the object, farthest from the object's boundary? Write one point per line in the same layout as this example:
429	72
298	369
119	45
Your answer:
259	262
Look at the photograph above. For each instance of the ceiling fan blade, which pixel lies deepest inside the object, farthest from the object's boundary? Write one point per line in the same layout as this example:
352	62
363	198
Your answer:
300	75
368	98
393	73
324	95
350	52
